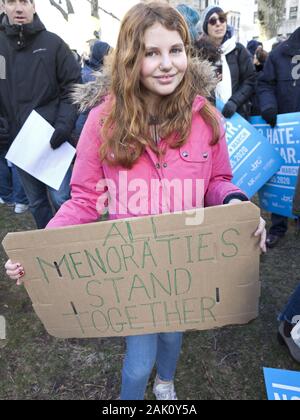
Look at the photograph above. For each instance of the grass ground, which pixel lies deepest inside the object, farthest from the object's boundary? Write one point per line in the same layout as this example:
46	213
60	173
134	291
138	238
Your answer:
223	364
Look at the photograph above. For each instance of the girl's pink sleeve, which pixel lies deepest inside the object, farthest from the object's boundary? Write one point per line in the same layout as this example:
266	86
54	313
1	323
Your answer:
87	183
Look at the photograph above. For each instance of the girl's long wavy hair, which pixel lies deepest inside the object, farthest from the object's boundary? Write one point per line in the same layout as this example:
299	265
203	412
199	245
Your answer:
125	130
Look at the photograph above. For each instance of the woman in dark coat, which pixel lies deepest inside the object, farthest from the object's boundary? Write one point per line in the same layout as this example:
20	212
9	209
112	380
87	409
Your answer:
238	76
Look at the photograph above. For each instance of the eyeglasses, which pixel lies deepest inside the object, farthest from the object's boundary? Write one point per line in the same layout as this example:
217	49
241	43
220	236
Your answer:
213	21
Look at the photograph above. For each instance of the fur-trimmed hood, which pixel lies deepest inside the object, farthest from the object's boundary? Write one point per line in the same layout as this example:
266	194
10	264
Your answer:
89	95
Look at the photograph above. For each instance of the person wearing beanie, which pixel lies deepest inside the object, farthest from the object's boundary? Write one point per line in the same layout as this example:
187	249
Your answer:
238	76
253	45
206	14
95	63
192	18
99	51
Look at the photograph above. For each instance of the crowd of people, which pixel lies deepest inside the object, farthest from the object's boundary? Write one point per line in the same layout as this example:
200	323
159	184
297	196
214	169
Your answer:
147	101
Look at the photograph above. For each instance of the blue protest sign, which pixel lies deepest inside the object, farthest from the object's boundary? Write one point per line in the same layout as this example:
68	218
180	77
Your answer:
277	195
282	385
252	159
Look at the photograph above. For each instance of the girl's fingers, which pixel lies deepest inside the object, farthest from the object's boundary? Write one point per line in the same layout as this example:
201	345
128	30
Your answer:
19	278
261	228
263	242
10	266
20	282
261	231
15	273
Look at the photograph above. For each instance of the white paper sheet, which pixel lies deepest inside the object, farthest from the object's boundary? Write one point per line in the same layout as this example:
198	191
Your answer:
31	151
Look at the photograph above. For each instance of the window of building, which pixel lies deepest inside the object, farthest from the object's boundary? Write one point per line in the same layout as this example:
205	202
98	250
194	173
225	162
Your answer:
294	12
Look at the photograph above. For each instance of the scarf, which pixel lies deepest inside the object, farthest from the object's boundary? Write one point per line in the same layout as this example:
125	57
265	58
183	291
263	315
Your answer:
224	88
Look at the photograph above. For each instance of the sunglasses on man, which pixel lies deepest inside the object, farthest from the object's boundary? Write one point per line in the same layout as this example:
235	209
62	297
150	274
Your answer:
213	21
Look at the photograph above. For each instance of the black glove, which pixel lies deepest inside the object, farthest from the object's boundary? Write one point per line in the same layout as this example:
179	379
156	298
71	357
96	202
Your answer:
229	109
58	138
270	116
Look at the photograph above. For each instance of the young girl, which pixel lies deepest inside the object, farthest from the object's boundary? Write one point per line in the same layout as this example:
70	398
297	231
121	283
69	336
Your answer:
153	125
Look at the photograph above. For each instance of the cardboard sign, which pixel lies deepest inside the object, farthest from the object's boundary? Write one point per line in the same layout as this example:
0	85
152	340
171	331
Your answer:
282	385
253	160
143	275
277	195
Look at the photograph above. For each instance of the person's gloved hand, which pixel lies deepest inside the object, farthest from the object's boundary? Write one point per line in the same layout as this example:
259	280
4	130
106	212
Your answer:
270	116
58	138
229	109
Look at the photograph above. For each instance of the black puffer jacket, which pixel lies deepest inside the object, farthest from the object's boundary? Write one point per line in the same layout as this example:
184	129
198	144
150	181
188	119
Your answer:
37	72
243	78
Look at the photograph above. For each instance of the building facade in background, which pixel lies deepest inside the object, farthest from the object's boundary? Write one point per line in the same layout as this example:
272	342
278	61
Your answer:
291	20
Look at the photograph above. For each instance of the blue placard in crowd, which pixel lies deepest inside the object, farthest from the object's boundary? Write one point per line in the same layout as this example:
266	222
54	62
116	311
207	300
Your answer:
277	195
282	385
253	160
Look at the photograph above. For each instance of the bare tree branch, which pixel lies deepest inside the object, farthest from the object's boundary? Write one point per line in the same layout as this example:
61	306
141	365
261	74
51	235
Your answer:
70	10
70	7
95	10
109	13
58	7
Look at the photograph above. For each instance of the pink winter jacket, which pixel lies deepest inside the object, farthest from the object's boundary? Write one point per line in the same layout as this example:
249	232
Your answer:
185	177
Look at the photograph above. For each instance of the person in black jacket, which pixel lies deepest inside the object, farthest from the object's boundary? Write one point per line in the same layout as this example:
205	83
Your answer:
40	71
238	75
279	93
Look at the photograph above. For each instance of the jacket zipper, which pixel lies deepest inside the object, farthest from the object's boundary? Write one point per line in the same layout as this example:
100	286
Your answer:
21	37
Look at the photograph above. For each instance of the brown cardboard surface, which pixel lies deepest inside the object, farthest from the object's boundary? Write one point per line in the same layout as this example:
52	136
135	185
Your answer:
143	275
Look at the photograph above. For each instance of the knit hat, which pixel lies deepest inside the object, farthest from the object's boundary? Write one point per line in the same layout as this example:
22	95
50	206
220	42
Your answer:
253	45
99	51
192	17
208	12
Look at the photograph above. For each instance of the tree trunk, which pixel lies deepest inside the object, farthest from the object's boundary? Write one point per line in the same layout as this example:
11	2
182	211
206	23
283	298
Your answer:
270	15
95	8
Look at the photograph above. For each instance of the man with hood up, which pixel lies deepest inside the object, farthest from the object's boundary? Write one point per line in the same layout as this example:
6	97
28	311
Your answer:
37	73
279	93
